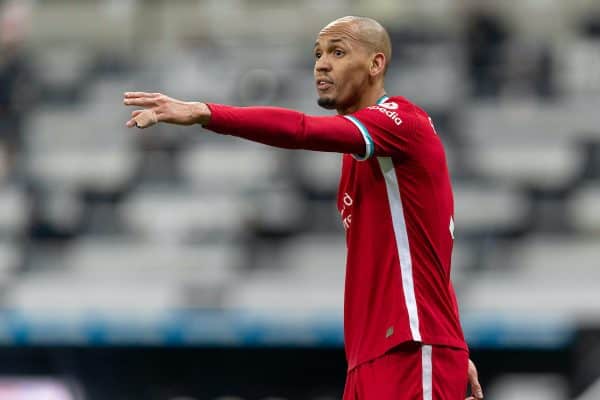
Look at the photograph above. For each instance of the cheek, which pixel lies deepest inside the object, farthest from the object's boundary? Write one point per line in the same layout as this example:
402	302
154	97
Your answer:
354	78
347	76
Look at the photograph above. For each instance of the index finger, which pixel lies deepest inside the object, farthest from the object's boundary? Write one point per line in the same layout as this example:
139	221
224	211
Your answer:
133	95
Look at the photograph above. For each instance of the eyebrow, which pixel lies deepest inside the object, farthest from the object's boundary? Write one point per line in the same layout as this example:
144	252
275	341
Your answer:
336	40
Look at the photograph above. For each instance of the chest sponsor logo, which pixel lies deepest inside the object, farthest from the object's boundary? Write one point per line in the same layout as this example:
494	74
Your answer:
390	106
388	110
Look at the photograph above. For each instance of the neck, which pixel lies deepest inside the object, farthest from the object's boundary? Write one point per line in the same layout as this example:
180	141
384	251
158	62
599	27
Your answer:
366	100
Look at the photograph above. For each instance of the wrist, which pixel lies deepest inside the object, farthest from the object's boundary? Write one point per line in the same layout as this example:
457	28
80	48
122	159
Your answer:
200	113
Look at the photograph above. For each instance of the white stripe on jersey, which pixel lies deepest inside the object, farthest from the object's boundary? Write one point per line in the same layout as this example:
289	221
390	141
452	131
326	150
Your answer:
427	367
399	224
369	145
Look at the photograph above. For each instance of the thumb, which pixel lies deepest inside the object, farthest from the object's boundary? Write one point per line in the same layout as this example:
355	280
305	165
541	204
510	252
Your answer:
474	382
145	119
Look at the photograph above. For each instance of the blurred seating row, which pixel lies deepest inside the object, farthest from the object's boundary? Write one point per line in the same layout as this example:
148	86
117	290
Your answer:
174	217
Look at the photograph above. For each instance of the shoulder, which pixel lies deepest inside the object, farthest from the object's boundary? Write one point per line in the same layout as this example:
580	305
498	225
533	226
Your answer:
402	104
407	109
394	111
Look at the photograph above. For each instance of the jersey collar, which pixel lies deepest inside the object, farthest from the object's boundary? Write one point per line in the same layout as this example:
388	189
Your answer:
382	99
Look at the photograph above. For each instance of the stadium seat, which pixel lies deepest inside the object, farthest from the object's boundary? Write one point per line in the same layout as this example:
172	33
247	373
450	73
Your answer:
511	294
550	258
279	209
11	258
63	67
55	128
301	94
539	165
130	260
106	90
464	258
577	76
584	117
430	77
120	275
101	169
528	386
319	172
270	293
62	292
316	258
84	128
516	122
14	210
549	275
186	69
583	211
322	216
177	216
241	166
480	207
306	274
60	205
96	25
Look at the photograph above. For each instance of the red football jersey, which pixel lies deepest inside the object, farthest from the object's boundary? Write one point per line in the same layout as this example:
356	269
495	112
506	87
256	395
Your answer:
397	208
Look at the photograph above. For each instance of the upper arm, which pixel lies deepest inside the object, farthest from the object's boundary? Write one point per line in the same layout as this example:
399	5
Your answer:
284	128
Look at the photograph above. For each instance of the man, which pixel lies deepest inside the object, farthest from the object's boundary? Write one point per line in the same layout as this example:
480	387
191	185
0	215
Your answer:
401	327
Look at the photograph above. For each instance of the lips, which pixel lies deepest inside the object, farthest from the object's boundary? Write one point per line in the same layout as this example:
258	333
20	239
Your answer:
324	83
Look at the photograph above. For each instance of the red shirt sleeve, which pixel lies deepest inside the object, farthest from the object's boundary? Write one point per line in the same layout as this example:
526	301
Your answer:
289	129
391	128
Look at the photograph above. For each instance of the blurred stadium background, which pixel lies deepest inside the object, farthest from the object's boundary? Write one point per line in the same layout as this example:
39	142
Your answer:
177	264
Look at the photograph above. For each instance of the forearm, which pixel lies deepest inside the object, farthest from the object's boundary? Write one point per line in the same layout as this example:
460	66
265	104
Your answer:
269	125
285	128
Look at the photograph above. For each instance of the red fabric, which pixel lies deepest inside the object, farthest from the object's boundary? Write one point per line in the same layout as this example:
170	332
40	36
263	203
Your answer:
398	375
376	309
286	128
379	311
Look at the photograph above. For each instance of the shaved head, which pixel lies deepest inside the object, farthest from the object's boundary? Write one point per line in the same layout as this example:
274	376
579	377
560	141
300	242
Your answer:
351	59
364	31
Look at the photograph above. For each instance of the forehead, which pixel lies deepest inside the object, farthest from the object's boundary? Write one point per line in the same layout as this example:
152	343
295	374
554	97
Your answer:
344	33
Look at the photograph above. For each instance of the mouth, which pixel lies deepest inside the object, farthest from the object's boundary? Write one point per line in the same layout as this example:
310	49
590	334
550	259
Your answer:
324	84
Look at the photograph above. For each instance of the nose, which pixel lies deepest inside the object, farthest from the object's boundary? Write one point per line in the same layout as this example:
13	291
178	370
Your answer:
322	64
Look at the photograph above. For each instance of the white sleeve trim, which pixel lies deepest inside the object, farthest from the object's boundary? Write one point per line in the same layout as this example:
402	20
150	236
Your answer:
369	145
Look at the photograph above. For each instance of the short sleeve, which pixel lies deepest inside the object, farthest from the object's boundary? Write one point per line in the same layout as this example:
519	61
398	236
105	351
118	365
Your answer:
388	128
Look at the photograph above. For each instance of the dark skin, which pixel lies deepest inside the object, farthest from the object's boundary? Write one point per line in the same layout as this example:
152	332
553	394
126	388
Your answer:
351	59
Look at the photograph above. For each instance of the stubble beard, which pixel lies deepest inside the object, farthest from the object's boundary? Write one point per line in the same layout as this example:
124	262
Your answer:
327	103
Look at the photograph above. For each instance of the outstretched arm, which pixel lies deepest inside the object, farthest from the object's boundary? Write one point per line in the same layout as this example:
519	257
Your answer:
269	125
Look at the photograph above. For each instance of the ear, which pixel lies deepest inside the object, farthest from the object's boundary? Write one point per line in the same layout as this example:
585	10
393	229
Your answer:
377	64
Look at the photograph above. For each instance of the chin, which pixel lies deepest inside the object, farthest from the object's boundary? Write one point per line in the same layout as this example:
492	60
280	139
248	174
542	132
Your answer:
327	102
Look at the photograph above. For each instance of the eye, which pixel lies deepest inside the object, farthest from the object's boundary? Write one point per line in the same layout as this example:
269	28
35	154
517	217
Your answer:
317	54
338	53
